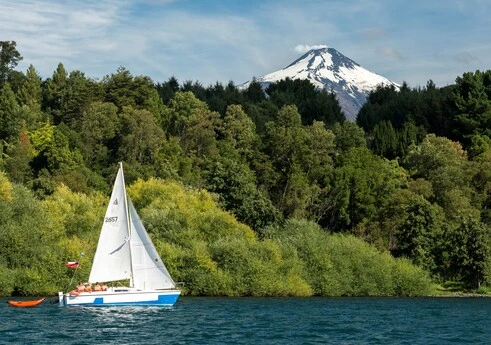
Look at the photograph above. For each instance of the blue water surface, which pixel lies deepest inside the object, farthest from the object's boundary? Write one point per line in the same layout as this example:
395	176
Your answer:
256	321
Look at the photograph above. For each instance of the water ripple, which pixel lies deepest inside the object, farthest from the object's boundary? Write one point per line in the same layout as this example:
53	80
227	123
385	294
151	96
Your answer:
256	321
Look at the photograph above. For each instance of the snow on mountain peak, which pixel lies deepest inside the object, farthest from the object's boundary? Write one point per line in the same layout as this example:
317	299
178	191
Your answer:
326	68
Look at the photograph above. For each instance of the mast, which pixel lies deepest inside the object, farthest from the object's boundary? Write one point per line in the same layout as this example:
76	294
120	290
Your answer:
128	222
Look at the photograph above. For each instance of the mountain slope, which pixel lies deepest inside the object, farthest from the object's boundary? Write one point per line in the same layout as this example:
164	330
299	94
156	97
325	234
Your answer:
326	68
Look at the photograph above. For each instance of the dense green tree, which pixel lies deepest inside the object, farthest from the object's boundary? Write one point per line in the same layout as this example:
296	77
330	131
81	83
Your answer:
147	97
55	93
98	128
384	140
254	92
189	121
286	140
472	101
168	89
411	112
468	251
23	219
378	107
181	107
80	93
239	131
196	88
199	139
122	89
10	114
60	156
118	88
312	104
9	59
318	164
362	184
30	94
18	158
348	135
481	152
30	98
236	184
141	139
418	235
261	113
444	163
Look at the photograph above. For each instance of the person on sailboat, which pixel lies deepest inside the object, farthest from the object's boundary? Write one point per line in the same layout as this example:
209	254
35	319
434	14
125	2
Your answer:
97	287
80	287
88	287
104	287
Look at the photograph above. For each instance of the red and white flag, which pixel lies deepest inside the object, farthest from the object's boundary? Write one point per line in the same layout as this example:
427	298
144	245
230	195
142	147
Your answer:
72	264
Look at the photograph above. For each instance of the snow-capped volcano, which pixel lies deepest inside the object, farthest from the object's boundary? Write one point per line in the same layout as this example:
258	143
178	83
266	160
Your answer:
326	68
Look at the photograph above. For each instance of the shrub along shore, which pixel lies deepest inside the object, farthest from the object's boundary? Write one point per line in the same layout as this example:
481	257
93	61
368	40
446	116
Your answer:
202	246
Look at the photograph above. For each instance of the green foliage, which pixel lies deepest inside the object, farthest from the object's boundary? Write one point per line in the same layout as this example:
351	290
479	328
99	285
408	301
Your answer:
168	89
287	140
362	184
444	163
266	161
385	140
235	183
348	135
124	90
10	114
18	157
9	58
28	245
30	94
239	131
141	137
472	100
98	128
312	104
468	253
340	265
419	233
394	120
55	93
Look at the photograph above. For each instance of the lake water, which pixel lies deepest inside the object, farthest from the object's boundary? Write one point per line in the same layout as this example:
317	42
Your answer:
256	321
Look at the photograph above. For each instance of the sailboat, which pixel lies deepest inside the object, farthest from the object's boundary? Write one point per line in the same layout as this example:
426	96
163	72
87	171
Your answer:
125	252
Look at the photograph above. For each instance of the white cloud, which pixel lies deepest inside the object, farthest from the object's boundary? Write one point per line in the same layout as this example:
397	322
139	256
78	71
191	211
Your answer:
303	48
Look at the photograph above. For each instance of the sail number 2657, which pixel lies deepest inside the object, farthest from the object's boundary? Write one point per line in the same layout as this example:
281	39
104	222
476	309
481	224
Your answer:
110	219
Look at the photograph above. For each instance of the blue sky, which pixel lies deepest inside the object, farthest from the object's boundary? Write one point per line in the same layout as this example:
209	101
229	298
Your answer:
210	41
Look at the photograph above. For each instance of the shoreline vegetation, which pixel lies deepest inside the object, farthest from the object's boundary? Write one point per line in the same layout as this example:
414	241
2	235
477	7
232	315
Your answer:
202	245
248	192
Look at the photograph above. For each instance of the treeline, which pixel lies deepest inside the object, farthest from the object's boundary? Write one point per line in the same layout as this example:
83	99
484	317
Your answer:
284	162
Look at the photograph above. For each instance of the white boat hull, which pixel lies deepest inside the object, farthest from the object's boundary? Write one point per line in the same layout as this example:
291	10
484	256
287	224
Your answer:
120	296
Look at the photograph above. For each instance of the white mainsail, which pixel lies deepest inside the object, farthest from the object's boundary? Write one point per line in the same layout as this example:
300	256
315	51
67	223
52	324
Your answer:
149	272
112	260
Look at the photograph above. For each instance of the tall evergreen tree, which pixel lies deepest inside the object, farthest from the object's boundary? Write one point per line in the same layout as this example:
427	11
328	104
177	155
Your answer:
10	114
473	105
56	93
9	59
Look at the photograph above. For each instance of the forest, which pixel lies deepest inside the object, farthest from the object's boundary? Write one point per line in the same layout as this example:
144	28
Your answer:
248	192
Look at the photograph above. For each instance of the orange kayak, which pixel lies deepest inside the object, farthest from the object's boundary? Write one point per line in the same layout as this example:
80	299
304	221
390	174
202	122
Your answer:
26	303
